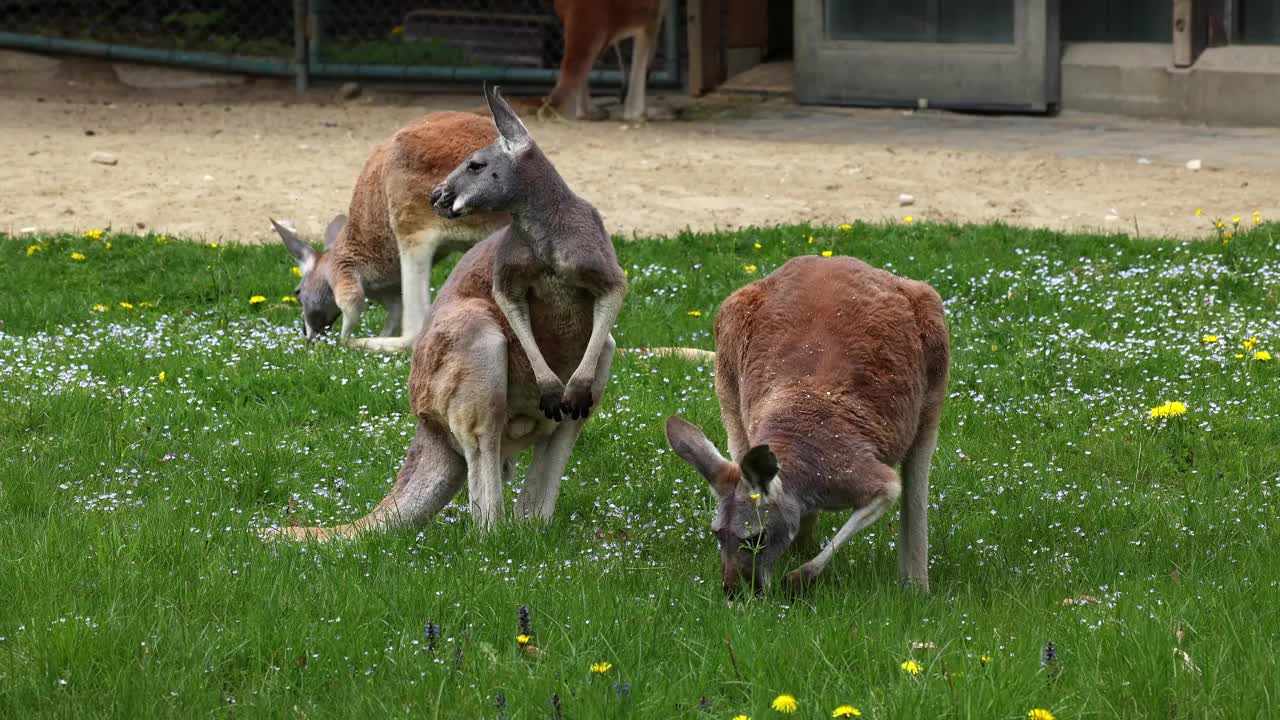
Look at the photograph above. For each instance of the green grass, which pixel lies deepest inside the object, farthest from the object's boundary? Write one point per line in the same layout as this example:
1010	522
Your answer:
132	586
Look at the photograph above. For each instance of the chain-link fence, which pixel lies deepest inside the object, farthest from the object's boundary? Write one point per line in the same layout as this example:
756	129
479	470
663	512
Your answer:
413	40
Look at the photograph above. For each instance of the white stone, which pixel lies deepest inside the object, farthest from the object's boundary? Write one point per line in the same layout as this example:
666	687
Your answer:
1193	164
904	200
103	158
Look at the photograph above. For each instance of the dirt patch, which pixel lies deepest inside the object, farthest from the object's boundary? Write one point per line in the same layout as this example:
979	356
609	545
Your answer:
216	163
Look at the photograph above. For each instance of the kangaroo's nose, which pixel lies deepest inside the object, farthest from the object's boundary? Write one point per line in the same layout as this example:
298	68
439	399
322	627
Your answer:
437	194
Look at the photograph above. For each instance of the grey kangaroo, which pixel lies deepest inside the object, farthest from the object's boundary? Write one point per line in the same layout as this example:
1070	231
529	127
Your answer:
549	282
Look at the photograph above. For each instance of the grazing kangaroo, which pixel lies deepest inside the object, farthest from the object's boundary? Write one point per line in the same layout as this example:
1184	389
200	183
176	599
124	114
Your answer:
829	373
517	349
590	26
384	247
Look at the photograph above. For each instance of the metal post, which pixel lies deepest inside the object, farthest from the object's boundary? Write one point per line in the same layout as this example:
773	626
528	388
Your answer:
1182	56
300	45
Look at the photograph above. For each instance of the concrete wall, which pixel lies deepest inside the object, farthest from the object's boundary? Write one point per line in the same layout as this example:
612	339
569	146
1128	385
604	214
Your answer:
1238	85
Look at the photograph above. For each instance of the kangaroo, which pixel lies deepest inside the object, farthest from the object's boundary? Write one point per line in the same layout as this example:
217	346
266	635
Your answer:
590	26
829	374
518	347
385	249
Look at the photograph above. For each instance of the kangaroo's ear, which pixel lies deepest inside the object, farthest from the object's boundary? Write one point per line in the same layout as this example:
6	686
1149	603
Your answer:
331	232
689	442
760	468
297	247
513	136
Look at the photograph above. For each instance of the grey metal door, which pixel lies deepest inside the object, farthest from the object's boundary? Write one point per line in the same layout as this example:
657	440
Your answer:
962	54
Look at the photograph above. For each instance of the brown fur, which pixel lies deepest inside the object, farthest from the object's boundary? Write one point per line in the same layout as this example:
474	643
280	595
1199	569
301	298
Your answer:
591	26
840	371
390	212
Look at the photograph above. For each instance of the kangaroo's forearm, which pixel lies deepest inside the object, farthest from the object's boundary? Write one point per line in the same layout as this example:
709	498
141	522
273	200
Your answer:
603	314
517	312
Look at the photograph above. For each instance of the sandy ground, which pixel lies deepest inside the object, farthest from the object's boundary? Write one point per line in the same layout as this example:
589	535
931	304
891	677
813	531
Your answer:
217	162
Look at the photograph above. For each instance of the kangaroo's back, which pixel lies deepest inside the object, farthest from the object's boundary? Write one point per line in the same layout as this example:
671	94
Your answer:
833	346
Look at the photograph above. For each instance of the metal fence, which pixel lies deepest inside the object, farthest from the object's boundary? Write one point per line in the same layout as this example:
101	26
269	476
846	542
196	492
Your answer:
408	40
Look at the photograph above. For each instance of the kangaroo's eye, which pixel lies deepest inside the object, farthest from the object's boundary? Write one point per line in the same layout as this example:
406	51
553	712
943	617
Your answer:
297	291
476	165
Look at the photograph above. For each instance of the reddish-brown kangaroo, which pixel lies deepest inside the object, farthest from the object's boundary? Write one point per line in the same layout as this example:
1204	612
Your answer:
590	26
830	373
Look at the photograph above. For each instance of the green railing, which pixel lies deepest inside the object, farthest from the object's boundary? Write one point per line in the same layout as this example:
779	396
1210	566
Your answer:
514	41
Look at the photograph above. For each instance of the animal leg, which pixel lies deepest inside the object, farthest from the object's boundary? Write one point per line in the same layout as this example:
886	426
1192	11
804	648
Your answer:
864	516
551	455
417	250
431	475
348	293
643	46
913	526
477	419
391	328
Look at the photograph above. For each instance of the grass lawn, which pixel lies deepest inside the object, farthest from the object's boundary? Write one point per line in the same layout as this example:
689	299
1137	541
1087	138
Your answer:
139	446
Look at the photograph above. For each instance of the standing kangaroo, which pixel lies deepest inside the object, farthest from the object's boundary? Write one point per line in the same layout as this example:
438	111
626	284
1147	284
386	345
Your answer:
385	249
518	347
590	26
829	373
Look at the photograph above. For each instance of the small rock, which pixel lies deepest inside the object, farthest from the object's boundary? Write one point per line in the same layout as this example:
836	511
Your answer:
1111	218
90	133
904	200
103	158
329	123
349	90
141	225
1144	161
1193	164
27	231
208	178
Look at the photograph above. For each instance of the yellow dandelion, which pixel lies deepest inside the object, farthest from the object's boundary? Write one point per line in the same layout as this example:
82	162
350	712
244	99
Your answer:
287	299
33	249
1220	224
1168	410
78	257
755	496
759	246
1262	356
1230	235
846	711
1256	219
1239	356
215	246
145	304
257	300
695	313
785	704
93	234
601	667
124	305
741	717
810	239
397	30
1198	212
749	268
1040	714
1235	220
100	308
846	227
1249	342
826	253
162	239
912	667
1209	339
296	271
984	659
523	639
160	377
108	245
908	219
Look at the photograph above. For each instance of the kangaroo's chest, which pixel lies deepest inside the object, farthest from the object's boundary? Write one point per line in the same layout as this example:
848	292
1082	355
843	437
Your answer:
560	313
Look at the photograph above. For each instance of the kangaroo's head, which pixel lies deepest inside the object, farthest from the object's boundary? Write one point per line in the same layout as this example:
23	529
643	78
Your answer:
493	177
755	521
314	291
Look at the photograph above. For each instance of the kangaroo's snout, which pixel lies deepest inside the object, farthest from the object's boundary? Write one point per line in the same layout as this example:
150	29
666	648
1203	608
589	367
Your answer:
443	200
